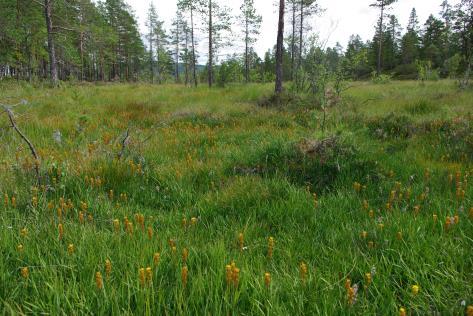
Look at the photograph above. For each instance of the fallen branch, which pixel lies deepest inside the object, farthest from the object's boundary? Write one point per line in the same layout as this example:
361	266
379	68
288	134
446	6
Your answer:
124	143
11	117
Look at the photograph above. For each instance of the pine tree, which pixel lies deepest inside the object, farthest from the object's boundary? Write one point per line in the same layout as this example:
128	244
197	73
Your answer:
279	49
383	5
251	25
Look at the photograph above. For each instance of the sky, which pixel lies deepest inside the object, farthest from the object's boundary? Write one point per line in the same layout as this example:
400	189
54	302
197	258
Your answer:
341	19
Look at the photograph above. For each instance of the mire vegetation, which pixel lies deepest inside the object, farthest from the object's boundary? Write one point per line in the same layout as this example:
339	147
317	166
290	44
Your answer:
160	200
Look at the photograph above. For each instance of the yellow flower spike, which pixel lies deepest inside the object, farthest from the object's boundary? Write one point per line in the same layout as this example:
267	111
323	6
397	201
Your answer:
34	201
50	205
70	249
364	234
228	274
456	219
370	244
351	295
399	235
392	196
185	255
6	200
110	194
402	311
59	213
24	232
371	214
270	247
435	218
149	275
150	232
471	212
388	206
303	271
20	248
129	228
450	178
156	258
173	250
240	241
368	278
142	276
469	310
108	268
448	222
13	202
357	187
347	283
236	276
416	210
193	221
90	218
99	280
381	226
184	274
81	217
415	289
184	223
25	272
365	204
116	225
267	279
60	229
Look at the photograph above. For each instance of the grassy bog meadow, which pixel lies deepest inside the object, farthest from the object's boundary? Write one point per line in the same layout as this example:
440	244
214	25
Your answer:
162	200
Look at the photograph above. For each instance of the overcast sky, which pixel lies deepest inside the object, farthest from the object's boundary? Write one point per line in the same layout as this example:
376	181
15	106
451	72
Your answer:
341	19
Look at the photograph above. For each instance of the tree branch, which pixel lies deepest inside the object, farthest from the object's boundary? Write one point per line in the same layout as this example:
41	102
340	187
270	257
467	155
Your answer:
11	117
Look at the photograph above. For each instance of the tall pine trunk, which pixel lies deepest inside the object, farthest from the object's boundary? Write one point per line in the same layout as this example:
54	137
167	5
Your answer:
194	72
301	34
210	65
51	50
279	49
177	51
247	59
380	43
293	40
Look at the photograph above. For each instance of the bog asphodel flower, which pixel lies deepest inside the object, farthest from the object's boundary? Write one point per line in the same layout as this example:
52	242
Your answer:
303	271
399	235
415	289
402	311
371	214
6	199
185	255
364	234
156	258
228	274
99	280
240	241
60	229
149	275
270	247
150	232
81	217
267	279
24	232
142	276
13	201
184	223
108	268
368	279
25	272
193	221
357	186
435	218
469	310
116	225
471	212
184	273
20	248
365	204
70	249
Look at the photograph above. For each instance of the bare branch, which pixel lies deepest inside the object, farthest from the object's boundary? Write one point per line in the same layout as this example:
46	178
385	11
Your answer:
11	117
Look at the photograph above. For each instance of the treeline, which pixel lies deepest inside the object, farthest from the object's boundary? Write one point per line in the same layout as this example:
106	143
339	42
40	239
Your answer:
100	41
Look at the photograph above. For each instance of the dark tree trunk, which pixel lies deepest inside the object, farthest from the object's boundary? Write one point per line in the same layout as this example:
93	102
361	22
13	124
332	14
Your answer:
293	40
380	43
279	48
301	34
210	65
51	49
247	60
193	48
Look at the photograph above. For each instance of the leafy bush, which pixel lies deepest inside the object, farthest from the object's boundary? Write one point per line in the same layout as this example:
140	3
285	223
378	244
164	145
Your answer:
391	126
